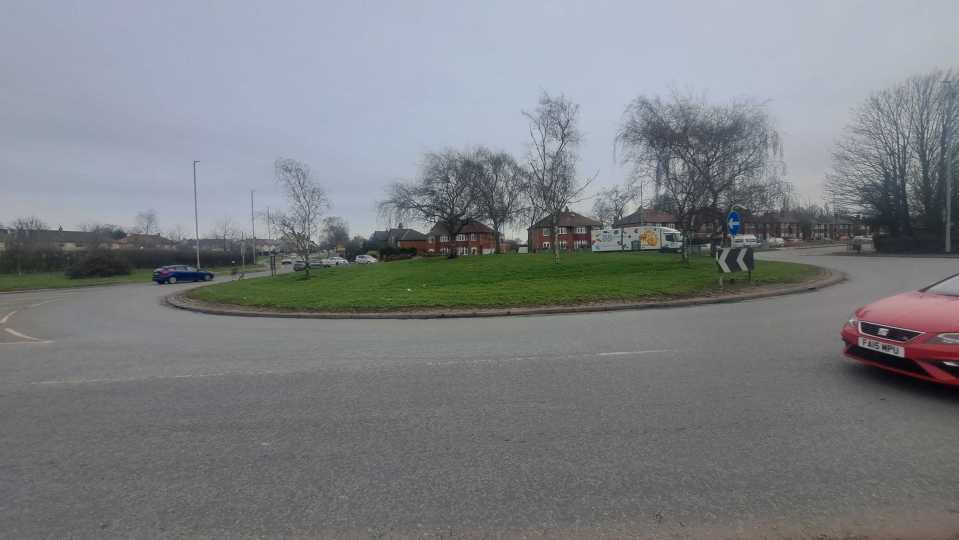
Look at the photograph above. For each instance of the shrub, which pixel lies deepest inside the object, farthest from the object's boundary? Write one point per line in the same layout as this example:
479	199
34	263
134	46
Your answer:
99	264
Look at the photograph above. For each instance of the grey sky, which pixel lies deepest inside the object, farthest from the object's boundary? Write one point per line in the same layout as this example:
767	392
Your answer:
104	105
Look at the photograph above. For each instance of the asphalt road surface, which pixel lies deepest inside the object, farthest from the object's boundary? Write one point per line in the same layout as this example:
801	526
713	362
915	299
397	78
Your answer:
120	417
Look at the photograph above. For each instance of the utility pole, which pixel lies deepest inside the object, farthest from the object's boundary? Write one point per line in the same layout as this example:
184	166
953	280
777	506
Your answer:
253	226
196	217
947	136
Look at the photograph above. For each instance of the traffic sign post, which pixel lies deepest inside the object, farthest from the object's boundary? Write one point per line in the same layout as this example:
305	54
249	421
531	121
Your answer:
733	223
730	260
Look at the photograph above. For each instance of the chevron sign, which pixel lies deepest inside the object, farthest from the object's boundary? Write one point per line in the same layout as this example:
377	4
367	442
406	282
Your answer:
735	260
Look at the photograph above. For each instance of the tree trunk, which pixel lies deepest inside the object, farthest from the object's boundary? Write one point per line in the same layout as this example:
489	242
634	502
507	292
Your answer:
554	234
496	237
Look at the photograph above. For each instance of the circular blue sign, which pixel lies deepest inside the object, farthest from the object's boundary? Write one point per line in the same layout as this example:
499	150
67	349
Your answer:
733	223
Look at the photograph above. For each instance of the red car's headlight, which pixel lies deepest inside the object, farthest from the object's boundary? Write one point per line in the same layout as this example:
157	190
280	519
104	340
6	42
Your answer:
853	321
945	339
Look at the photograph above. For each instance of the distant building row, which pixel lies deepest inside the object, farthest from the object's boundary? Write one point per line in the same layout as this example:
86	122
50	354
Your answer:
82	241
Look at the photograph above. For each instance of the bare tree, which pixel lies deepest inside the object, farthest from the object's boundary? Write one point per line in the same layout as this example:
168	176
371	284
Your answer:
445	194
499	190
702	157
306	200
226	231
103	233
890	163
611	204
22	239
147	223
177	234
554	142
336	232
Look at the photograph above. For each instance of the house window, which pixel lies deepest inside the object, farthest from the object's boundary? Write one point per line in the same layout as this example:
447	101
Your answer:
430	239
562	244
462	250
546	245
445	250
547	231
472	237
444	238
581	244
460	237
562	230
580	230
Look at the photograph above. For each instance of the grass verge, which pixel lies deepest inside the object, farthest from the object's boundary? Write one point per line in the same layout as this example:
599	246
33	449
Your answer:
494	282
57	280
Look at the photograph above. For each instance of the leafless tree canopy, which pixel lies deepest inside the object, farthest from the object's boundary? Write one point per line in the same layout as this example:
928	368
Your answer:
612	204
147	222
499	189
300	223
445	193
21	238
890	163
336	232
701	156
553	155
226	231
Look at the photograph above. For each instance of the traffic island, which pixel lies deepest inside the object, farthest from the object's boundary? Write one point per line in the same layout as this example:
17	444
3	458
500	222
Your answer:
503	285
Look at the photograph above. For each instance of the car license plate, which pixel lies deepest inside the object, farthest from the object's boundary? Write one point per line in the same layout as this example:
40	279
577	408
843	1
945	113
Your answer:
887	348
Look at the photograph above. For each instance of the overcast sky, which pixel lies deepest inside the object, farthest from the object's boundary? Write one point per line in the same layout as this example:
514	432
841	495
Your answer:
104	105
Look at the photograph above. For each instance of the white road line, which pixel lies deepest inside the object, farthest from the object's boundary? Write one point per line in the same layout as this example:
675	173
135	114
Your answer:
627	353
7	317
44	302
21	336
38	342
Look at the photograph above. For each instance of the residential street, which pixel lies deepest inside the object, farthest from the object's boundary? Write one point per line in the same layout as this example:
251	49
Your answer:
121	417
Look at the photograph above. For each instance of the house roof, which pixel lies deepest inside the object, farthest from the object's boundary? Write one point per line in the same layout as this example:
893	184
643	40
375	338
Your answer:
471	227
567	218
56	235
144	239
408	235
646	215
398	234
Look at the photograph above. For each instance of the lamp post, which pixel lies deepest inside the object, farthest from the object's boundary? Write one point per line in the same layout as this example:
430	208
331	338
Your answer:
253	226
196	217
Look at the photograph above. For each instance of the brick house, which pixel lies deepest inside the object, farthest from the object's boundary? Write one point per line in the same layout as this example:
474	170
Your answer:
400	237
647	218
574	232
475	239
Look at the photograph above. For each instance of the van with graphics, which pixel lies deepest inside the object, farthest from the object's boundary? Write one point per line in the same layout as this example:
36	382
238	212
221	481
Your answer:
645	238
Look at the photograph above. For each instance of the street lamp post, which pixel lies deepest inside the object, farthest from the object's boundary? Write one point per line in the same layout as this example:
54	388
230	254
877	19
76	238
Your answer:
253	226
196	217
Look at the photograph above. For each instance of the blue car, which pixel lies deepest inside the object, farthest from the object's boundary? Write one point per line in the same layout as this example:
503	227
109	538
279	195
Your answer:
179	272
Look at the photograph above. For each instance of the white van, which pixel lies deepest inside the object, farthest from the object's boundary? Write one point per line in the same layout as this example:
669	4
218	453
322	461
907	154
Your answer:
744	240
637	239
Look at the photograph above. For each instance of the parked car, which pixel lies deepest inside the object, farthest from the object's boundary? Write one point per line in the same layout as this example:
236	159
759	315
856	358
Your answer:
334	261
365	259
174	273
286	262
914	333
774	241
301	265
744	240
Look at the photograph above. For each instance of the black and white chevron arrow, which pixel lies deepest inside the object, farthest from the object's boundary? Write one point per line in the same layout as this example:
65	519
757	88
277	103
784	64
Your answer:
735	260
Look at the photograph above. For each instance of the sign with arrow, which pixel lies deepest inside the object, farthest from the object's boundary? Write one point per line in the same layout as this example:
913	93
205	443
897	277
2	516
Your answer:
733	223
735	260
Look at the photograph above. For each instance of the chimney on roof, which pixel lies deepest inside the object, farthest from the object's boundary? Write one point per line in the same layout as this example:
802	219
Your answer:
400	226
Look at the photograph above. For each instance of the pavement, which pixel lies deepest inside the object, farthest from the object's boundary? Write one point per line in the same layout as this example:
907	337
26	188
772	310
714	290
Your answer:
121	417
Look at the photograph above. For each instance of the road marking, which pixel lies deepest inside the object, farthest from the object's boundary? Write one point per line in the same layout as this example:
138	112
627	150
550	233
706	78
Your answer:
627	353
7	317
38	342
21	336
44	302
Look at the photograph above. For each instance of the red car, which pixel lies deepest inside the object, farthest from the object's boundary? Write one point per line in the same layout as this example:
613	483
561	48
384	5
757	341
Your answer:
914	333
